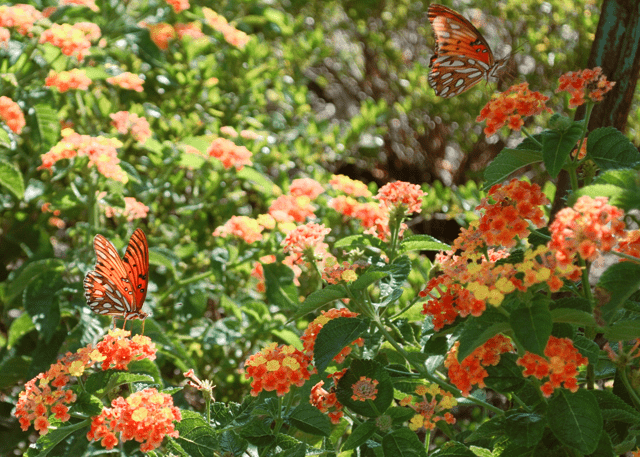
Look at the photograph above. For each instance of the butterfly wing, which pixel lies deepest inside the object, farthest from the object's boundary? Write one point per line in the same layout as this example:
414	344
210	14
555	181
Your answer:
136	262
462	57
108	288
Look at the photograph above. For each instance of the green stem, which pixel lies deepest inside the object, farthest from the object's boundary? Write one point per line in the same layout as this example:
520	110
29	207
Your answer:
528	135
630	390
425	374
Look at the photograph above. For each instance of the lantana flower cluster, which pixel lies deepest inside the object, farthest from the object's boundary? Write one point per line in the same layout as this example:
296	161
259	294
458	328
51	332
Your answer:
11	114
326	400
127	80
101	152
585	84
229	153
133	209
49	392
219	23
130	123
20	17
589	228
561	367
351	187
471	371
72	39
509	107
67	80
146	416
345	272
428	409
277	368
242	227
305	243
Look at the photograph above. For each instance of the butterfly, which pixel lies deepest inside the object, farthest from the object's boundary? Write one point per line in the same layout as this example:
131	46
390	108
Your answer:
462	57
117	287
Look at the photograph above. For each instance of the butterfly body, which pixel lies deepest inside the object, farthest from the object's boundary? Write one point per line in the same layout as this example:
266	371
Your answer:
462	57
117	287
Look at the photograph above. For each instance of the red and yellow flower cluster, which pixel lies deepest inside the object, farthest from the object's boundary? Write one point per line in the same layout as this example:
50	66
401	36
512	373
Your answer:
585	84
11	114
133	209
72	39
127	80
471	371
129	123
326	400
277	368
591	227
428	409
101	152
305	243
335	273
219	23
20	17
242	227
146	416
561	367
509	107
68	80
229	153
48	393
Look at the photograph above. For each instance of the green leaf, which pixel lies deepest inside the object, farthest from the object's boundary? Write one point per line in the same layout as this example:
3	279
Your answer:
19	327
403	443
359	241
621	331
575	419
507	162
422	243
46	443
334	336
11	178
572	316
99	381
621	280
558	144
588	348
197	437
360	435
475	331
375	372
281	289
366	279
88	404
532	325
614	408
320	298
232	444
262	183
525	429
30	272
258	431
506	376
47	129
12	370
41	302
309	419
610	149
158	258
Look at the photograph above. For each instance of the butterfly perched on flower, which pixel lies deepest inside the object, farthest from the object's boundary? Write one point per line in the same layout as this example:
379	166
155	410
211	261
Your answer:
117	287
462	57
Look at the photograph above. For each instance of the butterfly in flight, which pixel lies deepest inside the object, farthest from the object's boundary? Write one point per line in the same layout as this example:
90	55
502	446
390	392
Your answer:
462	57
117	287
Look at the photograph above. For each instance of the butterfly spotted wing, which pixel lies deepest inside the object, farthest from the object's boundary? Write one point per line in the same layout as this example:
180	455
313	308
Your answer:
117	287
462	57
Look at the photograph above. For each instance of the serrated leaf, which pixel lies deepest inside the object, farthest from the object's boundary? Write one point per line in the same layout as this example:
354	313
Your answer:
11	178
280	287
620	280
532	325
309	419
614	408
97	382
576	420
610	149
558	144
334	336
46	443
47	126
231	443
621	331
507	162
403	442
367	278
320	298
422	243
258	432
506	376
197	437
525	429
375	372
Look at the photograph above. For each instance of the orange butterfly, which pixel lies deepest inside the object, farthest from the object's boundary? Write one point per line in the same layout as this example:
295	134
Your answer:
118	287
462	57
